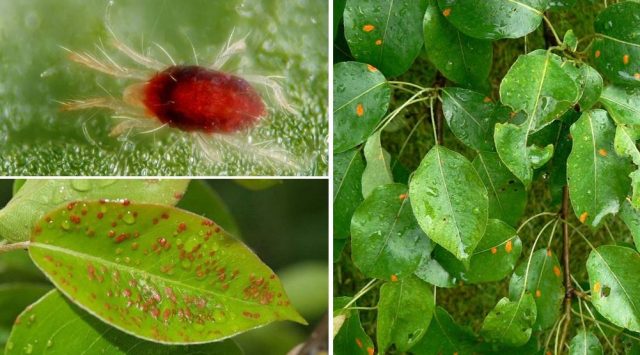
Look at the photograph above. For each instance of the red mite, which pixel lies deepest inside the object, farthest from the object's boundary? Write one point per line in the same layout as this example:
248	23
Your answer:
194	98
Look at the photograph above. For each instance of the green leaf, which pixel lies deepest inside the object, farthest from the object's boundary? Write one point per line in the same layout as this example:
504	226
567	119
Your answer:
360	100
622	103
53	325
405	309
615	288
203	200
510	322
257	184
470	116
460	58
625	146
14	297
570	40
494	19
39	140
347	190
616	47
431	271
351	339
386	241
592	87
450	201
517	154
444	336
378	169
544	281
157	272
36	197
494	258
597	177
585	343
507	195
538	84
386	34
631	217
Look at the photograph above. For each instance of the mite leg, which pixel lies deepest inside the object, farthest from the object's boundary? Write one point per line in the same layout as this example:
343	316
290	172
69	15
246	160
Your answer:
134	123
262	153
97	102
275	88
138	57
211	150
107	66
229	50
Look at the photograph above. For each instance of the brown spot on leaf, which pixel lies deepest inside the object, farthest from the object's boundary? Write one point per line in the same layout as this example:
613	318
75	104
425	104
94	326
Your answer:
602	152
494	250
394	278
597	54
538	293
625	59
509	246
583	217
368	28
360	110
359	342
446	12
556	271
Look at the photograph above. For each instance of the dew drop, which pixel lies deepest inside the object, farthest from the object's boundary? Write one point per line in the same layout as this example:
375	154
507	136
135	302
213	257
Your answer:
191	244
28	349
129	218
66	225
81	185
49	343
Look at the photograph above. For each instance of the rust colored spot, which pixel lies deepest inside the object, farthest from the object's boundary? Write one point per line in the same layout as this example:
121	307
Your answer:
509	246
194	98
494	250
126	293
556	271
100	215
597	54
178	196
370	351
378	42
583	217
182	227
538	293
372	68
75	219
359	342
625	59
549	252
446	12
602	152
121	238
487	99
360	110
368	28
126	202
402	196
71	205
394	278
597	287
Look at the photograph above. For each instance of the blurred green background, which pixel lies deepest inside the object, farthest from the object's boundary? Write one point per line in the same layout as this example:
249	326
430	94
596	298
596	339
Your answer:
286	38
289	233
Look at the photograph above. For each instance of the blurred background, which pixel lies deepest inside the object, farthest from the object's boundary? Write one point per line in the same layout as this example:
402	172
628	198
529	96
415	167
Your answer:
284	221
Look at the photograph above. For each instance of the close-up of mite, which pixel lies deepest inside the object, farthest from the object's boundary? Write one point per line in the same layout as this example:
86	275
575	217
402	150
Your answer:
215	107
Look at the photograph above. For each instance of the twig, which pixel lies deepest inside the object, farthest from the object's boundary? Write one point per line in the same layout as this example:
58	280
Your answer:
13	246
318	341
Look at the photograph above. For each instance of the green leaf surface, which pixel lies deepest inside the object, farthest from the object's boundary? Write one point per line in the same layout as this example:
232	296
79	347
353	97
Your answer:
36	138
616	47
597	177
378	169
386	240
460	58
543	278
585	343
471	117
444	336
431	271
450	201
157	272
615	287
631	218
258	184
494	19
405	309
347	190
203	200
625	146
53	325
14	297
538	84
622	103
351	339
510	322
507	195
516	152
570	40
360	100
494	258
36	197
592	88
385	33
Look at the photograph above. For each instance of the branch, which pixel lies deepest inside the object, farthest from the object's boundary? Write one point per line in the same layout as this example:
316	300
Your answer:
566	243
13	246
318	341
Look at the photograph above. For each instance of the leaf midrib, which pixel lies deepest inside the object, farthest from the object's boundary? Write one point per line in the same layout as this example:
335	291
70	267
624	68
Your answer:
630	108
495	192
359	96
384	35
617	40
346	172
595	164
534	10
132	270
446	190
462	108
391	229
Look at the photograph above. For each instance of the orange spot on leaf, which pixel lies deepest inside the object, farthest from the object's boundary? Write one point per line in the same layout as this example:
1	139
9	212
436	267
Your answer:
602	152
556	271
538	293
494	250
597	287
446	12
372	68
402	196
549	252
368	28
583	217
394	278
360	110
378	42
597	54
370	351
359	342
487	99
509	246
625	59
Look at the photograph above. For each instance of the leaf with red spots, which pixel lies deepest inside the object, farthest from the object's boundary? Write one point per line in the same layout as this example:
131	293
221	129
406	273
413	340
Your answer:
460	58
36	197
494	19
55	326
350	338
202	199
544	282
157	272
361	97
597	177
494	258
616	47
385	33
615	287
386	239
510	322
405	309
